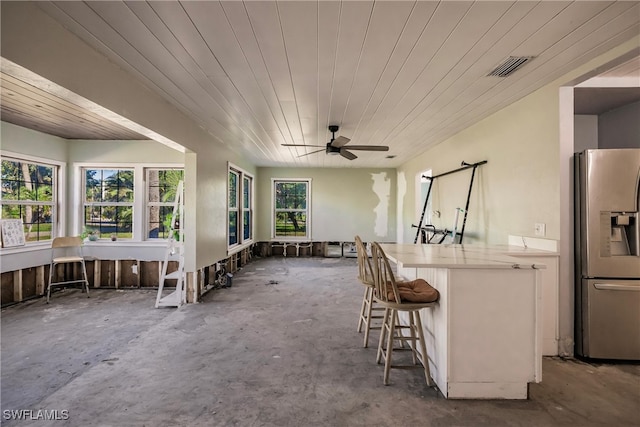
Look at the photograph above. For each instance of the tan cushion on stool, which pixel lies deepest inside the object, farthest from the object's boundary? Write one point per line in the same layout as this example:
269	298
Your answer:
415	291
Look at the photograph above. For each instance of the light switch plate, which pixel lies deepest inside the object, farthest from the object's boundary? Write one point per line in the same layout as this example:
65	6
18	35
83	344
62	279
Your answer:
540	229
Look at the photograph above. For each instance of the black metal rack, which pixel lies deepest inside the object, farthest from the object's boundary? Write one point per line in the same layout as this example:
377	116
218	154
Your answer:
422	229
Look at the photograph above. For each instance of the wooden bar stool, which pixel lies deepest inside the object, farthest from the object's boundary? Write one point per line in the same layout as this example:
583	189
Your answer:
409	297
365	275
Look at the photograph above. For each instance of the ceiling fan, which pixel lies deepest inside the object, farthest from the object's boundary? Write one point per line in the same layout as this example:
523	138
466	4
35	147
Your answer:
338	146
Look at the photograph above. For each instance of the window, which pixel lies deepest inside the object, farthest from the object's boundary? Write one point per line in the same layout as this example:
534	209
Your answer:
29	192
247	208
291	201
161	195
240	206
108	202
233	207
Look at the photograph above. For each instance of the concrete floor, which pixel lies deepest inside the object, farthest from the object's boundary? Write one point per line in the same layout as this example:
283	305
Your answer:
278	348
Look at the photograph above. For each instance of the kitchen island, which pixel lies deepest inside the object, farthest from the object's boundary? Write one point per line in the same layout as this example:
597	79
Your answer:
484	338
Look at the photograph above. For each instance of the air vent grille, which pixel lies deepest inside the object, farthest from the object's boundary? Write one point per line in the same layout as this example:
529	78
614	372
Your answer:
510	65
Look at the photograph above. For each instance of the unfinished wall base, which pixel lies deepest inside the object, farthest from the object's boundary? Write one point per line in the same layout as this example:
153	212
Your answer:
21	285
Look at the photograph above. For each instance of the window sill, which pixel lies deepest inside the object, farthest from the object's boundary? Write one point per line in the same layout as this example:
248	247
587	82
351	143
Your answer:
26	248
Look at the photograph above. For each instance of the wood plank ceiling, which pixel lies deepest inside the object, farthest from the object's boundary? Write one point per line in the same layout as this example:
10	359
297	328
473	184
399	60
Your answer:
407	74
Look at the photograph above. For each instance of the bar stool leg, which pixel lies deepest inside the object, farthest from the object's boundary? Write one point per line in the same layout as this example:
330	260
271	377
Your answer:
423	350
383	332
412	330
363	308
387	360
369	316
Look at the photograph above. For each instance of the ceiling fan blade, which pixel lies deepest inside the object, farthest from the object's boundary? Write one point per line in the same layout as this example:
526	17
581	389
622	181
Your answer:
300	145
340	141
306	154
369	147
347	155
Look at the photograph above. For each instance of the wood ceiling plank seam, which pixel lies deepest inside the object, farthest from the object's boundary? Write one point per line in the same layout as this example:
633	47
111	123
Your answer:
382	72
28	123
255	135
267	95
174	92
633	29
274	86
291	75
560	56
522	27
411	106
329	22
46	120
353	24
580	15
360	55
385	109
455	76
231	132
275	153
400	68
62	106
496	93
488	110
355	73
291	54
172	67
204	81
102	46
467	91
50	115
72	21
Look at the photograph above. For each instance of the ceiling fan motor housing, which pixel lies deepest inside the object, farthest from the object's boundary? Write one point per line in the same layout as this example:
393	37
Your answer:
331	149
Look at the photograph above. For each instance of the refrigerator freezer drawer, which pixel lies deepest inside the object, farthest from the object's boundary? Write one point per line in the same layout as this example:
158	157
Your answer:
611	319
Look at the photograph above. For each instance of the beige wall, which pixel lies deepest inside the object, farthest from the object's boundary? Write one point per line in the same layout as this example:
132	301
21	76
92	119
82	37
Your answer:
32	143
515	189
345	202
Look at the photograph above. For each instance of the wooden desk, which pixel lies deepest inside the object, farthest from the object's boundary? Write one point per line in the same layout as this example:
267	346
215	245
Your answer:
484	338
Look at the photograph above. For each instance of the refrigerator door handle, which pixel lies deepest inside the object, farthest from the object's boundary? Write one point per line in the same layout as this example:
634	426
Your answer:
615	287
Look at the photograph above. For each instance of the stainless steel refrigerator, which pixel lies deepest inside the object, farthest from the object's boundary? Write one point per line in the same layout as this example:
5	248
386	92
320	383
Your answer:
607	253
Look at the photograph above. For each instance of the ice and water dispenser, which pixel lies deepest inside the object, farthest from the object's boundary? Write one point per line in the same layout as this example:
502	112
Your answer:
620	234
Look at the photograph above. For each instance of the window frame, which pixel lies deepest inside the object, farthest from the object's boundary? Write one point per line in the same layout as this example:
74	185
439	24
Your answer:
240	208
140	193
58	194
135	197
148	204
308	209
248	209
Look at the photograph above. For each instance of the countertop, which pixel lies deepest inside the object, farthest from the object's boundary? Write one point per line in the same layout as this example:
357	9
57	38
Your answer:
459	256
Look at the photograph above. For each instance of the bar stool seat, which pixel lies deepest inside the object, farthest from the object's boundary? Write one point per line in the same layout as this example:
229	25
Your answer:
409	298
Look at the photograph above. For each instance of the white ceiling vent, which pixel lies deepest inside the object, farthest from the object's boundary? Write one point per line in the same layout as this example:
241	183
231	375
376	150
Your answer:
510	65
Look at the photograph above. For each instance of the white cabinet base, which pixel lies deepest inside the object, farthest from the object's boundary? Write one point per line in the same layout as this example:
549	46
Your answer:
484	338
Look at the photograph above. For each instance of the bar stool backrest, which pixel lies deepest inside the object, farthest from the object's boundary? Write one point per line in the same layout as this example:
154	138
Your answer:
383	277
365	271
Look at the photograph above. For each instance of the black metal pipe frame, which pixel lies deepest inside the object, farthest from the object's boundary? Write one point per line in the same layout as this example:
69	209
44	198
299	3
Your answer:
424	208
464	166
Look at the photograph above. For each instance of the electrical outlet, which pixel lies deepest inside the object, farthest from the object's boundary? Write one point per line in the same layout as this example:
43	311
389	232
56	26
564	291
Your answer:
540	229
